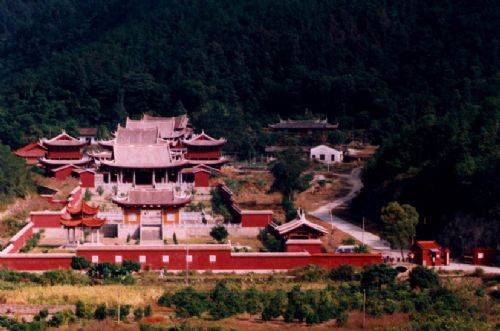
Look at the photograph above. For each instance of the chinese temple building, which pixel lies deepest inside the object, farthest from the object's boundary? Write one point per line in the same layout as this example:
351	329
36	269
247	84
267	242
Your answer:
31	152
303	126
203	149
63	150
80	215
299	228
150	210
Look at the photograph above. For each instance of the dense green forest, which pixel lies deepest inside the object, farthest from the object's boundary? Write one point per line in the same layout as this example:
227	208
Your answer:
420	78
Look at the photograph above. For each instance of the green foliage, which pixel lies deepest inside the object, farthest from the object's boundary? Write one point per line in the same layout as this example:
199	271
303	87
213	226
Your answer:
131	266
422	277
225	302
399	224
289	209
189	303
100	312
31	243
138	313
65	277
87	195
378	275
219	233
348	241
114	272
344	272
15	178
79	263
361	248
148	310
309	273
165	300
271	242
287	171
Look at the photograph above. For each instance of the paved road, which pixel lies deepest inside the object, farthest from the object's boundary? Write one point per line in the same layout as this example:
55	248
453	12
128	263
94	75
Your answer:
370	239
324	213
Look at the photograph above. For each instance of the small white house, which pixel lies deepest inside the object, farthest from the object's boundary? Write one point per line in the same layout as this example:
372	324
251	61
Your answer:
325	154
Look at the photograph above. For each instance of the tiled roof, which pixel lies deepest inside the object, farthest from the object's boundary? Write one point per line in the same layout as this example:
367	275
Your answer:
143	156
297	223
165	126
34	149
304	125
63	139
136	136
428	244
87	131
204	139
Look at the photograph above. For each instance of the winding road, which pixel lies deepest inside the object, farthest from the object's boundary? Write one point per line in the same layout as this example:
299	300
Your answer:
368	238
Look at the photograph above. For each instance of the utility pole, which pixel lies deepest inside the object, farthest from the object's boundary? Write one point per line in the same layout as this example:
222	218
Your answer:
364	308
363	234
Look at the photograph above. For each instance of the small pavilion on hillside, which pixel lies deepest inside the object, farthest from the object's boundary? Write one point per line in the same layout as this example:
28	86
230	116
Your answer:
80	214
64	150
204	149
299	228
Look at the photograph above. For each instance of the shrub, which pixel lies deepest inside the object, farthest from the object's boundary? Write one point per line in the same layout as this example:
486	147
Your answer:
343	272
253	302
138	313
348	241
225	302
131	266
148	311
219	233
80	309
64	277
88	195
361	248
422	277
378	275
270	241
165	300
124	311
79	263
189	303
309	273
100	312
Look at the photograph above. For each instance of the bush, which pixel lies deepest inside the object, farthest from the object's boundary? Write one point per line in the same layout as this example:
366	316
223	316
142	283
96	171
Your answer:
79	263
378	275
148	311
343	272
219	233
422	277
63	277
138	313
309	273
100	312
361	248
124	311
189	303
131	266
270	241
348	241
165	300
80	309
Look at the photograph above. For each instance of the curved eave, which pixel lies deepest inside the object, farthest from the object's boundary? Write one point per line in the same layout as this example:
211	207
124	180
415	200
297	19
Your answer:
65	143
64	161
208	162
176	203
143	166
204	143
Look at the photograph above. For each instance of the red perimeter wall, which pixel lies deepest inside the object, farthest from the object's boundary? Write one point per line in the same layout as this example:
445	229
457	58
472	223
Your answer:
257	220
63	173
87	179
35	262
225	259
21	237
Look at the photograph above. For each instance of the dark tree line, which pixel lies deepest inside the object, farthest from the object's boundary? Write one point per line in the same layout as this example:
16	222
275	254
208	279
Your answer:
418	77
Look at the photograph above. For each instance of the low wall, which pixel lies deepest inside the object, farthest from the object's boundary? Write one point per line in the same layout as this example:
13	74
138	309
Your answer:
20	238
45	219
35	262
247	218
218	257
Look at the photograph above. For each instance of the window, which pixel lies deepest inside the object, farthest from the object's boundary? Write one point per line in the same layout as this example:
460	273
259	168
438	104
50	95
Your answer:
322	157
170	217
95	259
165	258
118	259
333	157
313	156
213	258
142	259
189	258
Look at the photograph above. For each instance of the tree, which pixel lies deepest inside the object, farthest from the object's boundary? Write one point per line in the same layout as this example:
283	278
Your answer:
100	312
79	263
287	171
343	272
399	223
378	275
422	277
219	233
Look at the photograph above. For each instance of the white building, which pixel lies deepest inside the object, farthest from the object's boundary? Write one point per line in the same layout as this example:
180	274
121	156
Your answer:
325	154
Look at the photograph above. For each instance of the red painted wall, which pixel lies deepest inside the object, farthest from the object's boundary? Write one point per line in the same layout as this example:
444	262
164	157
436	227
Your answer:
19	240
203	154
73	153
87	179
256	220
225	260
201	179
489	256
63	173
32	262
424	257
47	219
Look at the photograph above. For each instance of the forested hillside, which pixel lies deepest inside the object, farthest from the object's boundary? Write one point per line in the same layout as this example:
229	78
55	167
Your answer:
420	78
